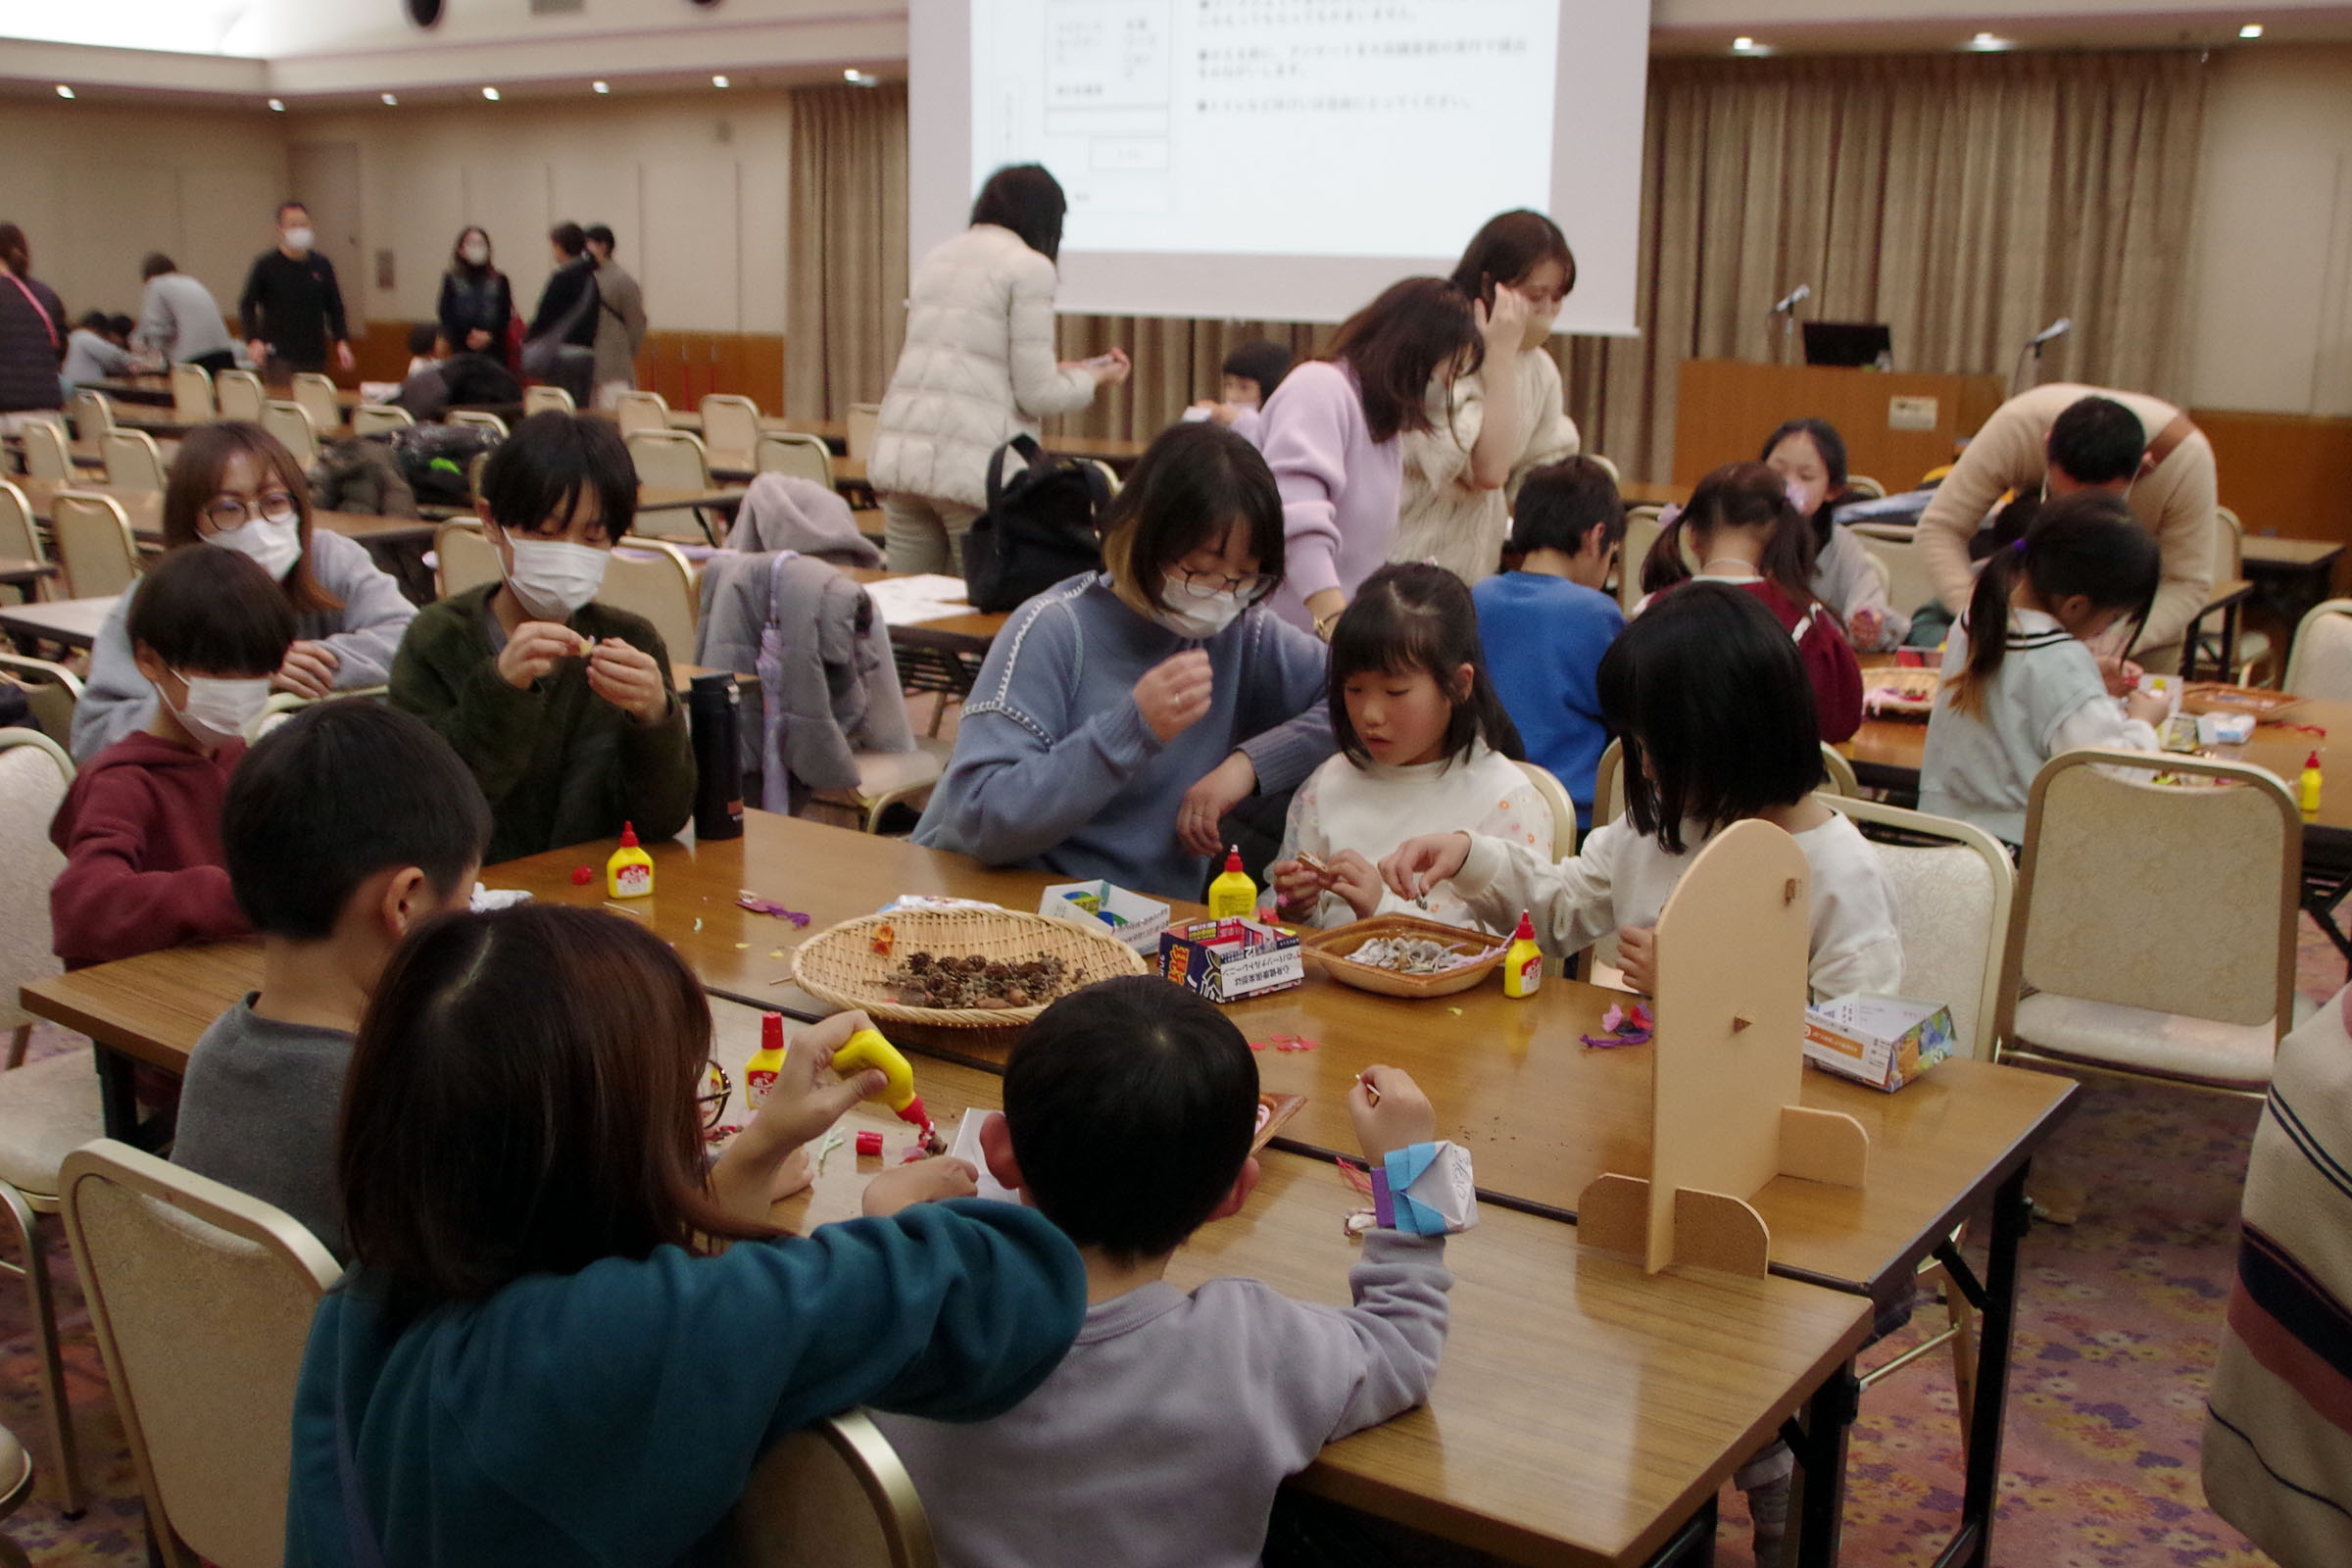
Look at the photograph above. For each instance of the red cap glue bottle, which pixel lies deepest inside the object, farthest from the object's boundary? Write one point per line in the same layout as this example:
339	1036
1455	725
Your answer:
1232	895
630	872
759	1073
868	1048
2307	788
1523	965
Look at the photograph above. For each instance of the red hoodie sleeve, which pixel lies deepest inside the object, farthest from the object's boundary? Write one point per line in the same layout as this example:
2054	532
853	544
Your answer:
105	906
1837	676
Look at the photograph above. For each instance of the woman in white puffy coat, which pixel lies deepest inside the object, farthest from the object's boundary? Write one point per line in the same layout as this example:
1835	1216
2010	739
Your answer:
977	368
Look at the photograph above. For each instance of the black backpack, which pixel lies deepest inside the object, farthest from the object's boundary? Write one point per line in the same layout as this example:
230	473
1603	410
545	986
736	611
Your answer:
1040	527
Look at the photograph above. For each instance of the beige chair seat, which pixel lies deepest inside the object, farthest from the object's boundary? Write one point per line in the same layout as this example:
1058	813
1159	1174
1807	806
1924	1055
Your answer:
52	1109
15	1472
889	772
2170	1044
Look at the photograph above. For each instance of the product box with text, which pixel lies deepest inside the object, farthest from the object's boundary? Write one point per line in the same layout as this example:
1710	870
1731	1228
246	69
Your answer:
1226	960
1884	1041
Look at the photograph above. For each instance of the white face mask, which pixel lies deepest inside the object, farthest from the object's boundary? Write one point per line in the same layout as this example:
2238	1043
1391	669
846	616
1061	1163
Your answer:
1804	497
298	240
1187	614
476	253
275	547
221	711
553	577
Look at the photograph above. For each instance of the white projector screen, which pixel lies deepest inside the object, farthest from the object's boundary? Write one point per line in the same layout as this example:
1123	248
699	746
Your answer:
1286	158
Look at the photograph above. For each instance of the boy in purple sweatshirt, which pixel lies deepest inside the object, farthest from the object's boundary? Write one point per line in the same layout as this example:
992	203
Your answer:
1129	1111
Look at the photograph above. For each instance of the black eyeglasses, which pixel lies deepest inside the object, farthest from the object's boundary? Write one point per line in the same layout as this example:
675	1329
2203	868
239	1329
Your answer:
717	1087
234	512
1209	584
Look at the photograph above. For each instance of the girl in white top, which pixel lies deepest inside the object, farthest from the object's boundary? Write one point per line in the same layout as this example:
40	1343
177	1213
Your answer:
1716	715
1422	737
2011	702
1490	428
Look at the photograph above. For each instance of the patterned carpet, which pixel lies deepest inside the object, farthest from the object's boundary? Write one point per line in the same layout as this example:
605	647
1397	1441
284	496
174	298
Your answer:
2117	1327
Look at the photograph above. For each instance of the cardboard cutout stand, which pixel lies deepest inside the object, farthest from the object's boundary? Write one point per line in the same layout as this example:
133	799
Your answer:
1733	945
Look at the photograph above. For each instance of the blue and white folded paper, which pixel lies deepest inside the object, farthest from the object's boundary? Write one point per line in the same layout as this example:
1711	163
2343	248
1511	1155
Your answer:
1425	1190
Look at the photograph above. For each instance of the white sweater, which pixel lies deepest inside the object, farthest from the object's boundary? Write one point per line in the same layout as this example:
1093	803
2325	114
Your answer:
1442	516
1374	809
977	367
1622	878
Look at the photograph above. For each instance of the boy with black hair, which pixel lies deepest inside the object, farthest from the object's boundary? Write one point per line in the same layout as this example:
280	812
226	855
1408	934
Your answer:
1129	1111
142	827
1546	623
563	707
1253	371
350	824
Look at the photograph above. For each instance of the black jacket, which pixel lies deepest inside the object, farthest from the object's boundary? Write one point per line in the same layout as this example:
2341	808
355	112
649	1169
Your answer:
31	348
562	297
470	305
293	304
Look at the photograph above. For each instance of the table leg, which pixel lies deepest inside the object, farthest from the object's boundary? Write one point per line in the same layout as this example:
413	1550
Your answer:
117	1098
2230	620
1818	1440
2011	1216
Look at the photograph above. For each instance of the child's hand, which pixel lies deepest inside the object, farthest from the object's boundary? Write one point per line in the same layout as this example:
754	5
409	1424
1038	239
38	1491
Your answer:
1419	864
1637	957
1221	413
1862	628
2148	708
926	1181
1390	1112
628	679
309	670
1503	323
1175	694
536	648
808	1096
2121	673
1295	887
1357	880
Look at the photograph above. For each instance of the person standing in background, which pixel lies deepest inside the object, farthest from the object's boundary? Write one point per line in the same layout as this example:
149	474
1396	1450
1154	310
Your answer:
180	318
619	321
292	306
559	348
476	300
32	338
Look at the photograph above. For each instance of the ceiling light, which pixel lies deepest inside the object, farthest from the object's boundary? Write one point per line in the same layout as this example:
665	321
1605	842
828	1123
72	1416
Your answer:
64	91
601	86
490	93
1986	43
2252	29
277	106
390	101
718	81
1743	45
859	78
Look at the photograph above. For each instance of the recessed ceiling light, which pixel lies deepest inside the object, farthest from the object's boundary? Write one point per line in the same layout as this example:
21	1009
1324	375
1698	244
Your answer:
601	86
490	93
2252	29
277	106
718	81
1986	43
1743	46
390	100
64	91
859	78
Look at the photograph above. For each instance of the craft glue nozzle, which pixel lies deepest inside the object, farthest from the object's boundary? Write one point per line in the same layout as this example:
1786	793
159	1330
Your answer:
1233	858
1525	931
2312	760
629	835
771	1031
913	1113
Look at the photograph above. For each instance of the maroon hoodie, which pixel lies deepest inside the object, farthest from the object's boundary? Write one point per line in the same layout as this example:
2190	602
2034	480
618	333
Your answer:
144	868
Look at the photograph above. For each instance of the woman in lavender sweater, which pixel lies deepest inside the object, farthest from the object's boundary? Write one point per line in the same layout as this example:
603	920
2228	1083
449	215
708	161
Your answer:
1330	430
1121	713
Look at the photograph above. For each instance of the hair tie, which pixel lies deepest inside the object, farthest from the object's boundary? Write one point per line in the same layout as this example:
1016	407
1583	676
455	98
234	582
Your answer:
1669	514
2018	545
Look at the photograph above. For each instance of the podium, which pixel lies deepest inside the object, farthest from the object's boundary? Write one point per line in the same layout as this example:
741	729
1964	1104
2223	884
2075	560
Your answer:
1897	424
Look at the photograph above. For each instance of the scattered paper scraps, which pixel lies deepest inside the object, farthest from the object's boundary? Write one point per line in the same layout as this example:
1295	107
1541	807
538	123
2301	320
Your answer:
1284	1043
581	877
753	902
824	1150
1634	1027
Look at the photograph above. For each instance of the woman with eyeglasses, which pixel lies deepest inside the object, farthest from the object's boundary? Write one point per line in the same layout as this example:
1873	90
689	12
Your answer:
234	485
1492	426
1121	713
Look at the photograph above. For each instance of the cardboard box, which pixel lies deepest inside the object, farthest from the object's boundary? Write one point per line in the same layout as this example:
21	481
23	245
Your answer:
1884	1041
1226	960
1133	918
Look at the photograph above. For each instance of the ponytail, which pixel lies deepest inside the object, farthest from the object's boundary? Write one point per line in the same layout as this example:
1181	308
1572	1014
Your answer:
2089	544
1665	565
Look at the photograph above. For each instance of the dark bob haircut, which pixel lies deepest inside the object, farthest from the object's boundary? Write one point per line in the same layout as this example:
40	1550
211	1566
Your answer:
522	1100
1028	200
2097	441
286	825
2086	543
539	473
570	238
1418	617
1561	503
599	234
1193	483
1507	248
1261	360
196	476
1418	328
1715	711
211	612
1131	1106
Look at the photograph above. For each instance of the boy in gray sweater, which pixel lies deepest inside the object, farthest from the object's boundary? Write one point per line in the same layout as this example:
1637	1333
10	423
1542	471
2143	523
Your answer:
1129	1111
344	827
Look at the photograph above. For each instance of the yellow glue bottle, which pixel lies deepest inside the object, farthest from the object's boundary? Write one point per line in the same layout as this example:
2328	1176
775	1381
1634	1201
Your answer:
630	872
759	1073
1231	894
2307	788
867	1048
1523	965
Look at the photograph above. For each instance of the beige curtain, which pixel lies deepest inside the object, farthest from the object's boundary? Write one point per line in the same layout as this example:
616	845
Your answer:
1966	201
845	307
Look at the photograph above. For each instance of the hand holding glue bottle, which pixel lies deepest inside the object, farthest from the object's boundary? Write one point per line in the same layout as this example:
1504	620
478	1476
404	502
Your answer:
801	1102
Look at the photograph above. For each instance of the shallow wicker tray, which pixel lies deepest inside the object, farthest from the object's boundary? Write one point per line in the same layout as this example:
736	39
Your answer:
1330	950
1901	691
2215	697
839	965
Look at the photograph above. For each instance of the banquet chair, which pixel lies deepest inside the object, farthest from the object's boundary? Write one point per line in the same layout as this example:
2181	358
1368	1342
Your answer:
835	1496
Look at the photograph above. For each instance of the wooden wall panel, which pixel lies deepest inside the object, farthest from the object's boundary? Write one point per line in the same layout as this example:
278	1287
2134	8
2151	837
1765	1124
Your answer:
2288	474
1726	408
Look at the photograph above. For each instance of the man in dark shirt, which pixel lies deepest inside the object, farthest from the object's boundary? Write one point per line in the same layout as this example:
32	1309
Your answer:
558	346
291	306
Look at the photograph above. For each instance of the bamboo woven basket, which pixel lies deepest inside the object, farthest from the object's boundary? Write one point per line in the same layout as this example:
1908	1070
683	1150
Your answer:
1331	949
839	965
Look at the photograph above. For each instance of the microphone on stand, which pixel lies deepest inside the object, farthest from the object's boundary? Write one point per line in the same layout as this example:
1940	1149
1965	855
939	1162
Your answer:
1796	297
2031	352
2056	329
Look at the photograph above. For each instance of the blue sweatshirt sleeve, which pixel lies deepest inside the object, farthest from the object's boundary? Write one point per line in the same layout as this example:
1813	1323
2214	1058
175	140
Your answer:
1029	769
1288	674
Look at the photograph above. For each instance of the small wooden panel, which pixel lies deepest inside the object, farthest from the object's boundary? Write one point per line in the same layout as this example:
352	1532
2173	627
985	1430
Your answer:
1724	409
1717	1231
1822	1146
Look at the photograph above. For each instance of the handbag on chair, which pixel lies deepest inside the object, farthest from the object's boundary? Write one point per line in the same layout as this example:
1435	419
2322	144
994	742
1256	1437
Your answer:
1040	527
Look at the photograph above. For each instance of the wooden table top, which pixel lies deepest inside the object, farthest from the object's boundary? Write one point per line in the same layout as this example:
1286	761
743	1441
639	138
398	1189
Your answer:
145	509
970	633
75	622
1583	1410
2257	550
1542	1114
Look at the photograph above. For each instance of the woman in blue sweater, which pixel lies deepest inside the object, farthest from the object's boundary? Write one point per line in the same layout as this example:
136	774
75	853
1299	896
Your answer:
1120	715
535	1359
